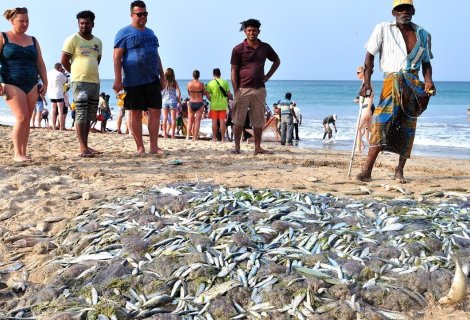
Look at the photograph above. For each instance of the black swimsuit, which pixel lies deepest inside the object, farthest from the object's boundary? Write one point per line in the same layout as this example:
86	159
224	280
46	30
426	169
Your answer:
195	106
19	65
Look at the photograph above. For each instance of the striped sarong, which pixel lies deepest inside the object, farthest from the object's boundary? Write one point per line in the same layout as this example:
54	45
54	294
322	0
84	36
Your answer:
402	100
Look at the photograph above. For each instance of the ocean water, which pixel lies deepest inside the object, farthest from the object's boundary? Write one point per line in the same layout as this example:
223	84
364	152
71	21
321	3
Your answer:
443	129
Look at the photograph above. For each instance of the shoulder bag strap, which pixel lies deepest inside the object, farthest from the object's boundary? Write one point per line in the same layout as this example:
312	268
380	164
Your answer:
221	89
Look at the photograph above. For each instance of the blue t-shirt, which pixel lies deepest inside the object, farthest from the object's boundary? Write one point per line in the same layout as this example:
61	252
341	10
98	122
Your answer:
140	59
285	106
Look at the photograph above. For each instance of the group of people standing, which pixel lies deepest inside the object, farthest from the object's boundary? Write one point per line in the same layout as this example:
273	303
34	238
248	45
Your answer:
404	49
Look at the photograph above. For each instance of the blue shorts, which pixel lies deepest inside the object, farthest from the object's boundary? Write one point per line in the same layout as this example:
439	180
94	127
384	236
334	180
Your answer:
39	106
170	105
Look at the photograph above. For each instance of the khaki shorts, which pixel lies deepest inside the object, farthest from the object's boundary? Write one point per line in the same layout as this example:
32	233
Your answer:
255	100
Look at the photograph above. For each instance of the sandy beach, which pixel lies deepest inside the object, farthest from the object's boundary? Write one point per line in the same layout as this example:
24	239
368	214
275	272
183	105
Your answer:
59	185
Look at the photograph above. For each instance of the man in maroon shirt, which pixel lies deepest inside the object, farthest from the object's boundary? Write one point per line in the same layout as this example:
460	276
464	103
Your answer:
248	79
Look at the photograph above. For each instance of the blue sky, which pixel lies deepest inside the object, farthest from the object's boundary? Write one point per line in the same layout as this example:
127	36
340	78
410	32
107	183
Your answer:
319	40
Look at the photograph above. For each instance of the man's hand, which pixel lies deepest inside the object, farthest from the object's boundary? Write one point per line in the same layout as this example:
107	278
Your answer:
429	88
366	90
118	86
43	90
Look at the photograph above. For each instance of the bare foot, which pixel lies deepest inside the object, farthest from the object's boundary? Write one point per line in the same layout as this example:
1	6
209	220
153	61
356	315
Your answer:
235	151
157	151
86	155
399	176
262	151
139	154
364	176
22	159
93	151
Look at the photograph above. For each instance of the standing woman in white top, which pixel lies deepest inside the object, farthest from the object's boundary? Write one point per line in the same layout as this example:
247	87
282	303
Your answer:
55	91
366	114
171	95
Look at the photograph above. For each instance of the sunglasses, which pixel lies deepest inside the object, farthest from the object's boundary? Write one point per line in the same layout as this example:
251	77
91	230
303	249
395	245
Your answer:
358	72
403	8
22	10
141	14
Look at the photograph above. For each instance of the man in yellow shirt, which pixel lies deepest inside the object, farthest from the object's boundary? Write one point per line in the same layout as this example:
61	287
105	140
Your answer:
81	55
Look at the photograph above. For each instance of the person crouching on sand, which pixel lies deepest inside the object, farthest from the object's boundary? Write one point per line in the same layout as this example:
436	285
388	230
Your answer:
326	126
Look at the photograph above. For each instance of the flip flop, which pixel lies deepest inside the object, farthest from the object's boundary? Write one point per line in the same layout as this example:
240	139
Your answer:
176	162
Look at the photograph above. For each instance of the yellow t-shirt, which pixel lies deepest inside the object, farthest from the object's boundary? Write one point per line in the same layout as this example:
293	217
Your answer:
85	55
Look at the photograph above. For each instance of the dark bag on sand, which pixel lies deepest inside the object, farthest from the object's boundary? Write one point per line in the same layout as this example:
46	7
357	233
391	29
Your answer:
221	89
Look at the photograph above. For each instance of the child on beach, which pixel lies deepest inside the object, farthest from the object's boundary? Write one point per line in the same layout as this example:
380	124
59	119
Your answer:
171	96
179	118
45	117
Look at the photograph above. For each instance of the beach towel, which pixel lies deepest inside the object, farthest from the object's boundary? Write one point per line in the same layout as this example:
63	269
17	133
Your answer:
402	101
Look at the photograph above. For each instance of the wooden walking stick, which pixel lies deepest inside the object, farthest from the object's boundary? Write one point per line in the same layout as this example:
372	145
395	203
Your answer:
361	100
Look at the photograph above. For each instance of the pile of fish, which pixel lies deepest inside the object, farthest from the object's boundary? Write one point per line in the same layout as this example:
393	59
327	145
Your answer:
198	251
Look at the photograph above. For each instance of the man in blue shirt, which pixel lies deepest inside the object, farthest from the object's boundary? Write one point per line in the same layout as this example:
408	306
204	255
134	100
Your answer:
136	53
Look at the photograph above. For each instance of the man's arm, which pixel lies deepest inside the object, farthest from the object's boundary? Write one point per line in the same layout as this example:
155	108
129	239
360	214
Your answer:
65	60
162	73
41	69
235	77
117	58
428	83
292	112
368	69
273	69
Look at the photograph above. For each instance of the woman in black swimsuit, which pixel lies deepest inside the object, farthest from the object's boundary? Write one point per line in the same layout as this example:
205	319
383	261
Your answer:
21	62
196	92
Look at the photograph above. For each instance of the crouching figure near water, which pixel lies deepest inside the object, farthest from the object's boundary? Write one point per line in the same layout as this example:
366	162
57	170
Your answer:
404	48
